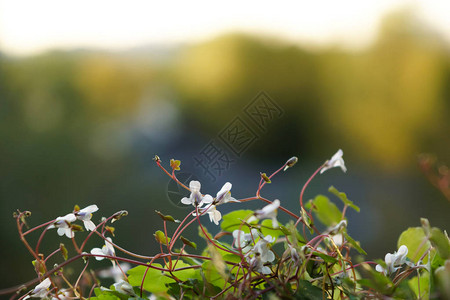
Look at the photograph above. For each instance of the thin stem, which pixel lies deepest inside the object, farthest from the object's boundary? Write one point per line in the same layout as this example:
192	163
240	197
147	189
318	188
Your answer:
37	227
261	185
307	183
81	274
170	175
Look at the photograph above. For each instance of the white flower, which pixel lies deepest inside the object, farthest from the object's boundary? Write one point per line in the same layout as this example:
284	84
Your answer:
244	240
393	261
257	264
85	215
41	290
269	212
107	249
214	215
196	197
63	225
62	295
335	234
224	195
335	229
262	249
338	239
335	161
124	287
115	272
293	252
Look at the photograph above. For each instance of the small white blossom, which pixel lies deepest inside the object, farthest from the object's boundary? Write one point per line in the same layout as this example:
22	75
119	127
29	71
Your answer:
85	215
115	272
107	249
262	249
244	240
393	261
62	295
214	215
335	234
335	229
335	161
63	225
269	212
257	264
41	290
124	287
338	239
224	195
196	197
294	254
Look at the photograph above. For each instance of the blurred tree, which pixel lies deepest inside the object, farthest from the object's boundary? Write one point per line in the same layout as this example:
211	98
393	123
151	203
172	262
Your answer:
389	101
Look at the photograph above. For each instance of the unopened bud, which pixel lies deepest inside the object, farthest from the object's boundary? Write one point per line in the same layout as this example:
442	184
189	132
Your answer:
64	251
75	227
110	229
118	215
291	162
167	217
265	177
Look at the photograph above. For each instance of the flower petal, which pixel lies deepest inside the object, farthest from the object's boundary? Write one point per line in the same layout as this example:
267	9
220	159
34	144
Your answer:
195	185
97	251
89	225
207	199
186	201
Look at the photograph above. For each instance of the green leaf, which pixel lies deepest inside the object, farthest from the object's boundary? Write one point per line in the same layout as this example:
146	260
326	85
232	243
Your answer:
267	229
307	220
307	291
188	242
223	245
354	243
107	295
292	233
233	220
212	275
414	238
161	237
377	281
185	274
232	258
440	242
343	197
166	217
403	291
413	284
201	233
426	226
443	279
326	211
436	261
326	258
155	280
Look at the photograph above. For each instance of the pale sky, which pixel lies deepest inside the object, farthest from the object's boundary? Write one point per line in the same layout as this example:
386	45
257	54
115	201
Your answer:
31	26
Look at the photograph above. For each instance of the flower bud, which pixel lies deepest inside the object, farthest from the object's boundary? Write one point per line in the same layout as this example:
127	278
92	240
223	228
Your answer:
291	162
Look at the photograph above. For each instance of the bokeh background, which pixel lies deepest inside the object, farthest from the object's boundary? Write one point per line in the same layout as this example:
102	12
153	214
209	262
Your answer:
83	112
